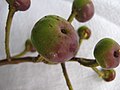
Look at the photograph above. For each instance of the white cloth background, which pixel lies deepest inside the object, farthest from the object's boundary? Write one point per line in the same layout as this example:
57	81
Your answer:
29	76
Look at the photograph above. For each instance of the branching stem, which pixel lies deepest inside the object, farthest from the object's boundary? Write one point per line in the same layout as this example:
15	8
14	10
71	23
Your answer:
82	61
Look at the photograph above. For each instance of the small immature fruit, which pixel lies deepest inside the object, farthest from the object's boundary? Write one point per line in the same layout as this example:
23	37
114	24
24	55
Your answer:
84	10
107	53
20	5
109	75
55	39
29	46
84	32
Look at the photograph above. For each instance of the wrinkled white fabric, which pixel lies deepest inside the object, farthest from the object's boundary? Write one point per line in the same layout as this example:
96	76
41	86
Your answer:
29	76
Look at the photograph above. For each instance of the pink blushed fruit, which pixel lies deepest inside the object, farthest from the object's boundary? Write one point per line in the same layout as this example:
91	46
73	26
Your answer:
107	53
20	5
84	10
55	39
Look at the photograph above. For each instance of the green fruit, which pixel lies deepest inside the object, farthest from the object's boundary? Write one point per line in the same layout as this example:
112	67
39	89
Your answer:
55	39
84	32
107	53
109	75
84	10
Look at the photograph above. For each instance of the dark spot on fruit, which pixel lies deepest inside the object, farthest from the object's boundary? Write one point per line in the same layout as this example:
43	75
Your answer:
50	25
116	54
64	31
58	19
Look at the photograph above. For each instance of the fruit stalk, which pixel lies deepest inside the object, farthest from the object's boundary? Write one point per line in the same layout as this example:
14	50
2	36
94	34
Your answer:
86	62
101	74
21	54
28	48
66	76
71	17
7	29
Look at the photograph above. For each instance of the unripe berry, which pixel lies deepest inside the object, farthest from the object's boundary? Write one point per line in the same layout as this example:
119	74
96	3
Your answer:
55	39
29	46
109	75
20	5
84	10
84	32
107	53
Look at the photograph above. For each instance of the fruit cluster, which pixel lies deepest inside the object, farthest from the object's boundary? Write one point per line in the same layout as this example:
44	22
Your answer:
56	40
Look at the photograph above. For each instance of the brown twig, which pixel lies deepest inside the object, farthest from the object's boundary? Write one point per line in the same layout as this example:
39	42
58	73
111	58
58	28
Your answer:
82	61
86	62
18	60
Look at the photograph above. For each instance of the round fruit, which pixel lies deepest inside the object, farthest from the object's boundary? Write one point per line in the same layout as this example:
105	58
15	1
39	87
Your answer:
84	32
84	10
109	75
20	5
55	39
107	53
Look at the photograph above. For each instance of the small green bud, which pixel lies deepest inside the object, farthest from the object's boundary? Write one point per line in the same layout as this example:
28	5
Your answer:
84	32
109	75
29	46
